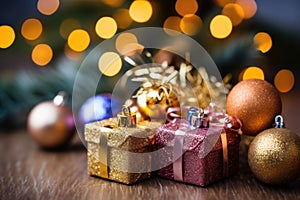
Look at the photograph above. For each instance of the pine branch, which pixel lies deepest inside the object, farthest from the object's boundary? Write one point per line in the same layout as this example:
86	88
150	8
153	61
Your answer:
18	94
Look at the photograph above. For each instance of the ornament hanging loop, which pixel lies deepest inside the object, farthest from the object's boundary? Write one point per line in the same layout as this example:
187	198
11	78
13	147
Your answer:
61	99
279	123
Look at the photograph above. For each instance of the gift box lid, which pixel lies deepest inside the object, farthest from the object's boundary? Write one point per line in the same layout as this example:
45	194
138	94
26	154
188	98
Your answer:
203	139
121	137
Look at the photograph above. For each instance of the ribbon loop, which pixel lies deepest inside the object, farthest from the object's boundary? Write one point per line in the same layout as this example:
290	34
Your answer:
234	124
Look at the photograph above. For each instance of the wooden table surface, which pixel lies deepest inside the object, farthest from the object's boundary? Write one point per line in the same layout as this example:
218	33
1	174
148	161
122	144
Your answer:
27	172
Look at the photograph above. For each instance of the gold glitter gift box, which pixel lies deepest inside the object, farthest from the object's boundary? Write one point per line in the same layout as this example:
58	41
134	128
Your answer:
119	149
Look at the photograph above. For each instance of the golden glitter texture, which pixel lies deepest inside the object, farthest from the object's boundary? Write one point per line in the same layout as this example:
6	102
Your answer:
165	86
274	156
120	141
255	102
154	100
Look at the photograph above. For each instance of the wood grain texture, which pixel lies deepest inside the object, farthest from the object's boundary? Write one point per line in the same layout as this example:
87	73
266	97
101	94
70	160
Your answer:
27	172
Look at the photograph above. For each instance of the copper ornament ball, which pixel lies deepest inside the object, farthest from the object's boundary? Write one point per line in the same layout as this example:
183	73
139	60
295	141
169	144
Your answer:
51	125
255	102
274	156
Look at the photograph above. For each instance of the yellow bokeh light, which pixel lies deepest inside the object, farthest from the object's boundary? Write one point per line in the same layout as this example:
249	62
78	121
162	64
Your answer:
253	72
284	80
235	12
42	54
113	3
122	18
106	27
31	29
132	48
47	7
8	36
110	63
78	40
249	7
263	42
140	11
220	26
173	23
184	7
190	24
126	42
222	3
67	26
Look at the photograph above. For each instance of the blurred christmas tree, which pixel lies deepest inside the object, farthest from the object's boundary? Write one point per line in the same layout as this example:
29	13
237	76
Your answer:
62	32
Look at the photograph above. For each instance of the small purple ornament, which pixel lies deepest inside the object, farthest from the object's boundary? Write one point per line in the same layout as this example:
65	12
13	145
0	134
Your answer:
98	108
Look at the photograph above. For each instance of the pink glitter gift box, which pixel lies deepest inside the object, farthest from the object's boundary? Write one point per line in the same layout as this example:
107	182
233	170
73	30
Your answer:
198	156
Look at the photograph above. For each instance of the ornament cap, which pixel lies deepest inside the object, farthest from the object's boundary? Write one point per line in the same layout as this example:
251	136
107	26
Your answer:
279	123
61	98
195	117
126	118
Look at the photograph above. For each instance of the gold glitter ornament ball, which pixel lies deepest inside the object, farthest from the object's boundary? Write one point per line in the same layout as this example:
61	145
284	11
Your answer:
274	156
255	102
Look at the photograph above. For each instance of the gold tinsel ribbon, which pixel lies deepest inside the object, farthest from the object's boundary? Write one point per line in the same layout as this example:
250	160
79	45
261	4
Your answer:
103	156
229	124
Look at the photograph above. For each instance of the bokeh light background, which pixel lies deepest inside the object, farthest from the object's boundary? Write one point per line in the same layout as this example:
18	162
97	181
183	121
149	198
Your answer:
35	34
